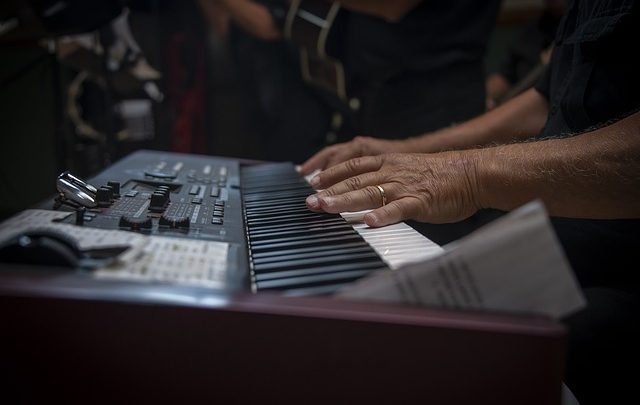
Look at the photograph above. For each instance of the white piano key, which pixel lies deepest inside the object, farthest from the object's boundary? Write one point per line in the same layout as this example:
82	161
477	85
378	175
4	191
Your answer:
397	244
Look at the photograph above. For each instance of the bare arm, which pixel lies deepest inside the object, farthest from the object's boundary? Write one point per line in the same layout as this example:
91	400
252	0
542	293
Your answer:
591	175
253	17
520	118
390	10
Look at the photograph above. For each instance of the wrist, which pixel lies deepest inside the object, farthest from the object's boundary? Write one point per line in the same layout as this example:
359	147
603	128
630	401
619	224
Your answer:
505	178
488	176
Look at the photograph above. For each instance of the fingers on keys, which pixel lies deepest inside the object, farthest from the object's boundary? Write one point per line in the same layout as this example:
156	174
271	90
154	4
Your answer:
365	198
345	170
317	161
394	212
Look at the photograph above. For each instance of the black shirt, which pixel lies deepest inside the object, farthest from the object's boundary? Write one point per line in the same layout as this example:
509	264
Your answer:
593	75
419	74
413	76
592	80
433	36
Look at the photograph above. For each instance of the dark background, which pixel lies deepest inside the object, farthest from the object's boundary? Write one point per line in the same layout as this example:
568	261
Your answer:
205	109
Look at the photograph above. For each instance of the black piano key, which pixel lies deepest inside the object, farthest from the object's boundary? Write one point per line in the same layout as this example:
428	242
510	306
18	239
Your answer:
306	243
318	255
261	198
275	208
284	220
370	265
302	232
288	263
310	250
258	230
294	239
281	188
319	279
326	289
270	214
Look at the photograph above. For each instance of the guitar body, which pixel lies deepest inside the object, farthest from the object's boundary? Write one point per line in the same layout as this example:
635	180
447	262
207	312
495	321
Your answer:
308	25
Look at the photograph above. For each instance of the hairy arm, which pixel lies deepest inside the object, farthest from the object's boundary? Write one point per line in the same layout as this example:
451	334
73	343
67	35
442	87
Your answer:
591	175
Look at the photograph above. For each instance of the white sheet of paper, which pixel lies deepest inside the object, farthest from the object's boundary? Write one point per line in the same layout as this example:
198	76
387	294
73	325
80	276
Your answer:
514	264
183	261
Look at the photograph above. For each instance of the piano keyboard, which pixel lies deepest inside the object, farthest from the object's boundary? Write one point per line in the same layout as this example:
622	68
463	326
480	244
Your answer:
299	252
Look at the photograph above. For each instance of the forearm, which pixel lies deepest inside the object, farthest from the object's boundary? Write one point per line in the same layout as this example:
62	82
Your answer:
253	17
519	119
391	11
592	175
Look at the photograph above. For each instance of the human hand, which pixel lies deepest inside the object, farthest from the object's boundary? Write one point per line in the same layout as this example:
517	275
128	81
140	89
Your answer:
436	188
359	146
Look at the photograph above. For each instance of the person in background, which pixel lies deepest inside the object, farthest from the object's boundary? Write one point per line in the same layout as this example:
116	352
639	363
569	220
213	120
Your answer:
573	141
410	66
525	57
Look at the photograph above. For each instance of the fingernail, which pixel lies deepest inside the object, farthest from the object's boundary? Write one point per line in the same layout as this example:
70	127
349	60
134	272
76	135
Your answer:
328	201
312	202
371	219
314	181
298	168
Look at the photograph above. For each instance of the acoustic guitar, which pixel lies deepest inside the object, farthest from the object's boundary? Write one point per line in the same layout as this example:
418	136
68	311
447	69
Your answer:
307	25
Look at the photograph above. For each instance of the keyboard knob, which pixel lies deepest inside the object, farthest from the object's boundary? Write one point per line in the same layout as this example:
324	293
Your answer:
159	201
175	222
104	195
115	186
135	224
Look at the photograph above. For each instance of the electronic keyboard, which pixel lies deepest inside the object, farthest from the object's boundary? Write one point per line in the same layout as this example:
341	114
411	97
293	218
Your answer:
252	217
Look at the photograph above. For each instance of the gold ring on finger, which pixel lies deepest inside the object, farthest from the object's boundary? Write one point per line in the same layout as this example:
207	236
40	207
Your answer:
383	195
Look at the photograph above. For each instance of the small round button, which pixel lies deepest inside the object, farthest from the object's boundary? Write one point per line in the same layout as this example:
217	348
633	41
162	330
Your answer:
354	104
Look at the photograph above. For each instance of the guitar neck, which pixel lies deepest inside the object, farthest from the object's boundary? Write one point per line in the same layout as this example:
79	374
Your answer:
308	25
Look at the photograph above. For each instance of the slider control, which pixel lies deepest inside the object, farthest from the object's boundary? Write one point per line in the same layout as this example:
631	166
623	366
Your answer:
159	199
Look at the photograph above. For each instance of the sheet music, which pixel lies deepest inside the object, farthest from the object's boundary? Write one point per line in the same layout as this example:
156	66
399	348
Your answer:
183	261
514	264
